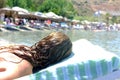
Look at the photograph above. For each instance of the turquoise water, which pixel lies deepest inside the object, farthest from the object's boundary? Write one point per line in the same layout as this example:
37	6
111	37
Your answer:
108	40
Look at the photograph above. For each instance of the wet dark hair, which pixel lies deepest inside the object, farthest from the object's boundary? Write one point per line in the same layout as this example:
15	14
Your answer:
19	50
51	49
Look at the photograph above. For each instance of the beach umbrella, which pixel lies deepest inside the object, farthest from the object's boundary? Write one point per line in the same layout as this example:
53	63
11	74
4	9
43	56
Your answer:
52	15
20	9
8	12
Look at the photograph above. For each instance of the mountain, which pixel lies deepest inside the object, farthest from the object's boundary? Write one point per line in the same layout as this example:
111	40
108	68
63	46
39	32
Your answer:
88	7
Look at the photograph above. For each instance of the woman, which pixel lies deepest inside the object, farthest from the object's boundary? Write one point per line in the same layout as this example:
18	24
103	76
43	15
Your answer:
20	60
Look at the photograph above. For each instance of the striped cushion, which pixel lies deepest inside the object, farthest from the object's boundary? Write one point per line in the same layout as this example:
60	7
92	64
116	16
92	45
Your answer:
88	62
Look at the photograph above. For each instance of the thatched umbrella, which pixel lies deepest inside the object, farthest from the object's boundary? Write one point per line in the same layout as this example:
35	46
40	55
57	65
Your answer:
28	16
8	12
23	13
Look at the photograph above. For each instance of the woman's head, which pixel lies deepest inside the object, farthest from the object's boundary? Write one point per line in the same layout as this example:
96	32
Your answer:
51	49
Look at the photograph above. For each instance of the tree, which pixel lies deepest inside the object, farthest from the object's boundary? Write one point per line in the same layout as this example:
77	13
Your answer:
31	5
114	19
60	7
9	3
2	3
107	16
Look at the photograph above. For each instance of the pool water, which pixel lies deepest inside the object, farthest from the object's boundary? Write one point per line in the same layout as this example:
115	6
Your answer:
108	40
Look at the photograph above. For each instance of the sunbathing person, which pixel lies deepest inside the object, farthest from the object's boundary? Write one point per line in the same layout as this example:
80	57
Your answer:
20	60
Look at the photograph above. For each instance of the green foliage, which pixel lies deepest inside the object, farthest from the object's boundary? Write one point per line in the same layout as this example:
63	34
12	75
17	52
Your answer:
2	3
114	19
89	18
60	7
10	3
21	3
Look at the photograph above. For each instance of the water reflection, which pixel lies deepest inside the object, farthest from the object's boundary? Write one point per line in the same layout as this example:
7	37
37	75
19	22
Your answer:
108	40
27	37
